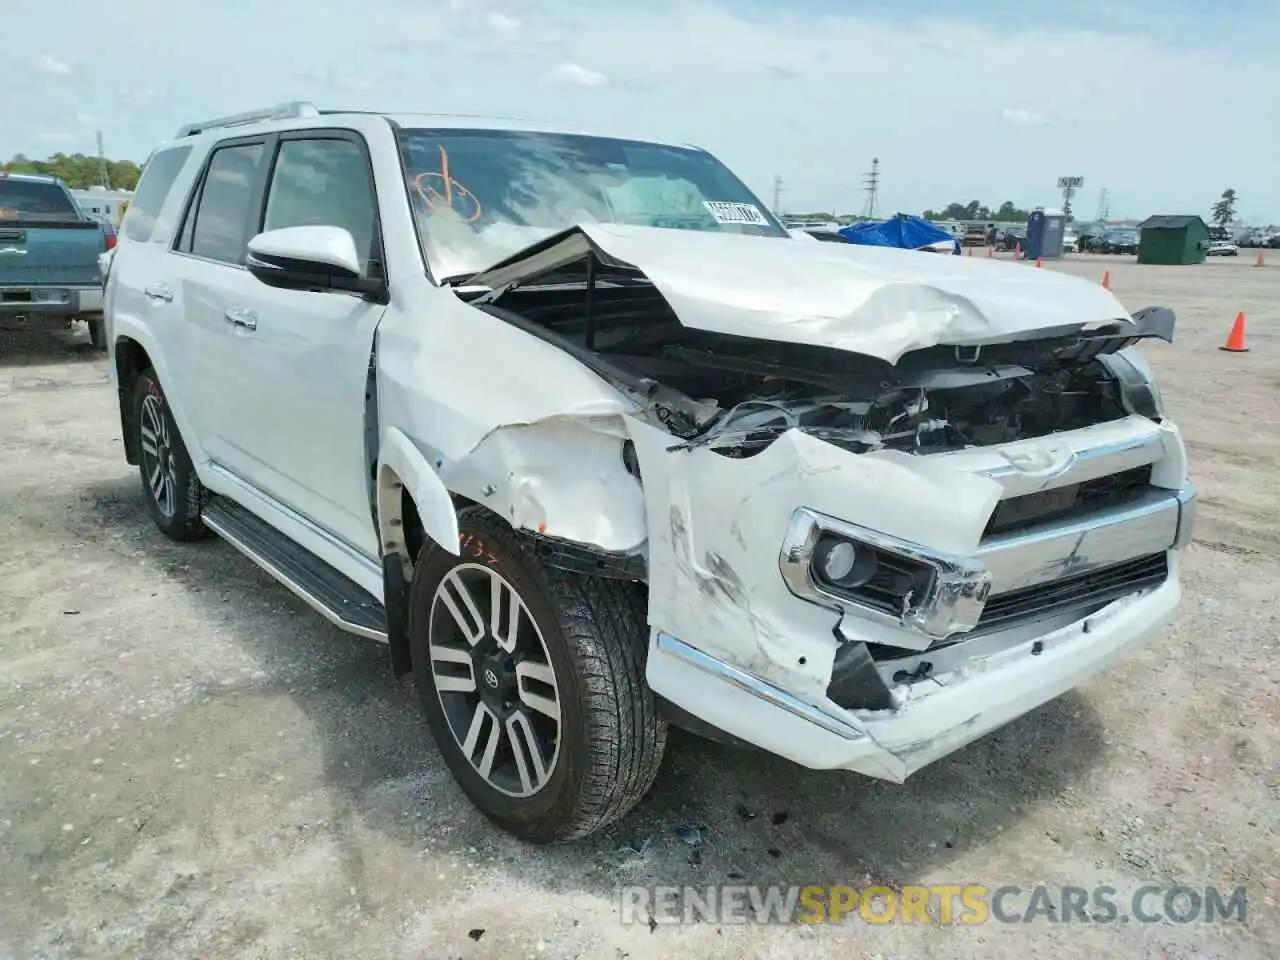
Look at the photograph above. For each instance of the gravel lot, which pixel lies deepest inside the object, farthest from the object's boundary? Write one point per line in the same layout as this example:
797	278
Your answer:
194	764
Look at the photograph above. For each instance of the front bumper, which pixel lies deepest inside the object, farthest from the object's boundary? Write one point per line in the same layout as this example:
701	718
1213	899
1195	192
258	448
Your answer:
51	302
936	718
758	651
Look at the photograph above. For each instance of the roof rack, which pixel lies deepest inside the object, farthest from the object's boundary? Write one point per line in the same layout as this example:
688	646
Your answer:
283	111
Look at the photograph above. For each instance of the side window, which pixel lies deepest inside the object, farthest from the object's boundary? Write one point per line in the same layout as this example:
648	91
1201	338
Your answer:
157	180
323	182
219	218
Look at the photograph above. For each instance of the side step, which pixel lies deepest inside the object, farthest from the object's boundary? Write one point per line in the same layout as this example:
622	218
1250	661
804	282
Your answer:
342	602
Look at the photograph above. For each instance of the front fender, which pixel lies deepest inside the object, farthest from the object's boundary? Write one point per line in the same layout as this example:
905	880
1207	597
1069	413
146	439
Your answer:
402	465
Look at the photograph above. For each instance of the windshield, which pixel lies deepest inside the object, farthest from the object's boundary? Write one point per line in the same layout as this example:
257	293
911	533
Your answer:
481	195
35	199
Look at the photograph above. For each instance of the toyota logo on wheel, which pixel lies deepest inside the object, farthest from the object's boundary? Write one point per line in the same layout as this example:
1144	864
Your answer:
490	678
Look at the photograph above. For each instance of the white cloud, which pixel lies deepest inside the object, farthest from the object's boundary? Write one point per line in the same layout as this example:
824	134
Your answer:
49	64
501	23
575	73
86	119
55	137
760	90
1022	117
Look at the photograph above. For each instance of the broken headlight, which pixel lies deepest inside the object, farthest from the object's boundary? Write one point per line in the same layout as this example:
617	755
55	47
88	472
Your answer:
1138	388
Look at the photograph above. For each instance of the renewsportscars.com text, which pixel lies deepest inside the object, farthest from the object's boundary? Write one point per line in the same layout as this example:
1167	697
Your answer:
936	904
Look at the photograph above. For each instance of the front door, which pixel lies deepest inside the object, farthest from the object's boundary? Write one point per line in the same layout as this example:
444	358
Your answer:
302	358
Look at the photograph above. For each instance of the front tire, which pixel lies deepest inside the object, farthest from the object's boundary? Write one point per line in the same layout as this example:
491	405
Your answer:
170	486
532	680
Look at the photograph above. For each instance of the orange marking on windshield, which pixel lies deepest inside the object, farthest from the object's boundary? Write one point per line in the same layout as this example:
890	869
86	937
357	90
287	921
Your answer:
454	197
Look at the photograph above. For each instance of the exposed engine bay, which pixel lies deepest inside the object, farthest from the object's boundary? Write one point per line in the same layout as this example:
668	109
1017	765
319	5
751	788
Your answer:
736	395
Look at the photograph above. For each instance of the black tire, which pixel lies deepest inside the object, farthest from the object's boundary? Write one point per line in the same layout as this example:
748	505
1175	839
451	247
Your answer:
177	510
97	333
595	638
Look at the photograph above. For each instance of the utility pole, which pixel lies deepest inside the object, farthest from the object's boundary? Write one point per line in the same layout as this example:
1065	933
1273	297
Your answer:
102	160
871	185
777	196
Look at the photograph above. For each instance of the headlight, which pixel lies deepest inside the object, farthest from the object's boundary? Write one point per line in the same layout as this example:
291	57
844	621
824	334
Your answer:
1138	387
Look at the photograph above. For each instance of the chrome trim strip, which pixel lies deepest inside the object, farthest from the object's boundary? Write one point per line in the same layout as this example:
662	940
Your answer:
310	599
953	603
1077	546
1187	497
1088	463
758	688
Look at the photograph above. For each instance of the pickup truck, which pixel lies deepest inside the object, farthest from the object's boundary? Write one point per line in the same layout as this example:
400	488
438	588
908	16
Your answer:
49	273
579	430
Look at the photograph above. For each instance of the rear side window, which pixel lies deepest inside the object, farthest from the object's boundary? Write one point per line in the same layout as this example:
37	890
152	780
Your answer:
218	221
153	189
35	200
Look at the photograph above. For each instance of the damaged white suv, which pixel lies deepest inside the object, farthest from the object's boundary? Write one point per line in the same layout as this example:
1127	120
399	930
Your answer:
577	428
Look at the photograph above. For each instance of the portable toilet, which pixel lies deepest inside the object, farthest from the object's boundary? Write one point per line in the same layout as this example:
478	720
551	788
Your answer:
1044	234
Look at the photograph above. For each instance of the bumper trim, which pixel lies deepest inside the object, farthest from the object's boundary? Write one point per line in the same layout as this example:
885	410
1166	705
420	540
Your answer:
761	689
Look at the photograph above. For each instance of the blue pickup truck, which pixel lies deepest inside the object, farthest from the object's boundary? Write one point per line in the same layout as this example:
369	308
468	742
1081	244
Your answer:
49	273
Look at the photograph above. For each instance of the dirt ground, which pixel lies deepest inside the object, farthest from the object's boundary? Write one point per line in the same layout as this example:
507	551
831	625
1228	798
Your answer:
192	764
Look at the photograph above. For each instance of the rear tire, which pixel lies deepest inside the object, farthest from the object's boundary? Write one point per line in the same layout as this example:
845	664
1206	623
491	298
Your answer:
170	486
559	671
97	333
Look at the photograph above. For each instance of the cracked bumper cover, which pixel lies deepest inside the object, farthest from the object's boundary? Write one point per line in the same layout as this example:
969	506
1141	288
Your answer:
752	653
934	718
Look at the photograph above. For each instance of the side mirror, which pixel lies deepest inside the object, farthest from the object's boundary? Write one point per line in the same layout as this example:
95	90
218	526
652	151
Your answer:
311	258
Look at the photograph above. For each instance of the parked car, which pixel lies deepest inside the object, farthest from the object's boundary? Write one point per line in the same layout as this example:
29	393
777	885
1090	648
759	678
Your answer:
1117	241
49	255
1222	248
1069	241
587	476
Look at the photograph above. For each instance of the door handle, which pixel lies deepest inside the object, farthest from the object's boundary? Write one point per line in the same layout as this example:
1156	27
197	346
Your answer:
161	292
241	317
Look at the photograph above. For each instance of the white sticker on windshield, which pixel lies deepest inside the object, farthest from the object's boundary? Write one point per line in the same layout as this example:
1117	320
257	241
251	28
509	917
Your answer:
740	213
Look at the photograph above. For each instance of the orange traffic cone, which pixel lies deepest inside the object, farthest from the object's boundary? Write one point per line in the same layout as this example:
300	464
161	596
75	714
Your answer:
1106	279
968	251
1038	262
1261	261
1017	251
1235	341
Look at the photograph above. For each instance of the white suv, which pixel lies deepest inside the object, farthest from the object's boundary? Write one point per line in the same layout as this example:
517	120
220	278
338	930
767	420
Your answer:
576	427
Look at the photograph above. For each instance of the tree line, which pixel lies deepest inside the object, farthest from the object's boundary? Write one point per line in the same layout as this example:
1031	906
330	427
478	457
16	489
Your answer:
973	210
79	171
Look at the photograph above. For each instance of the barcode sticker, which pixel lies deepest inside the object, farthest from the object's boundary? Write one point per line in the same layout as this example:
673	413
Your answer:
739	213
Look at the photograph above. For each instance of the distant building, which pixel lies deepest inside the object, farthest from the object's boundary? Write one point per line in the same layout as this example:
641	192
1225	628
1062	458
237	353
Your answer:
103	204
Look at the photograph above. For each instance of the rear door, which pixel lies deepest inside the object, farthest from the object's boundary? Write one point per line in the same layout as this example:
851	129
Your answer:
203	348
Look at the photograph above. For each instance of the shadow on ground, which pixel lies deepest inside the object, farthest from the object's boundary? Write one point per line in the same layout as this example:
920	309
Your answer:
758	817
22	346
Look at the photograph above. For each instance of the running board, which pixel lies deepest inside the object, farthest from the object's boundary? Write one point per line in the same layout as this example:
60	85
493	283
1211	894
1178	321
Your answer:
338	599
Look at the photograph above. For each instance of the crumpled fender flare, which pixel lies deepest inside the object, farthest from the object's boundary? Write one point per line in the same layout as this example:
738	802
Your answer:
400	461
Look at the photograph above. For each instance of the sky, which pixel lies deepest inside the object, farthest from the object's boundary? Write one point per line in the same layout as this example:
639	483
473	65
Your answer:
1165	103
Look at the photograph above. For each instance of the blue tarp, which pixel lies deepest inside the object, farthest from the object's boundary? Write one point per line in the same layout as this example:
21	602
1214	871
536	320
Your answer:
903	231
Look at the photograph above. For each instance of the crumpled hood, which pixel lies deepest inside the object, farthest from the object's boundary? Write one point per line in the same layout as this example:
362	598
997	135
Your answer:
869	300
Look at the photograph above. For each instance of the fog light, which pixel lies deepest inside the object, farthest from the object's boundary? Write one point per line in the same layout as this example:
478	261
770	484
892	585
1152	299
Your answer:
843	563
839	561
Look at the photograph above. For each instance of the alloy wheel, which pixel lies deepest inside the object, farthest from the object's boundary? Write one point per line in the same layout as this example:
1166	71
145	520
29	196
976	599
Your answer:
159	466
494	678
